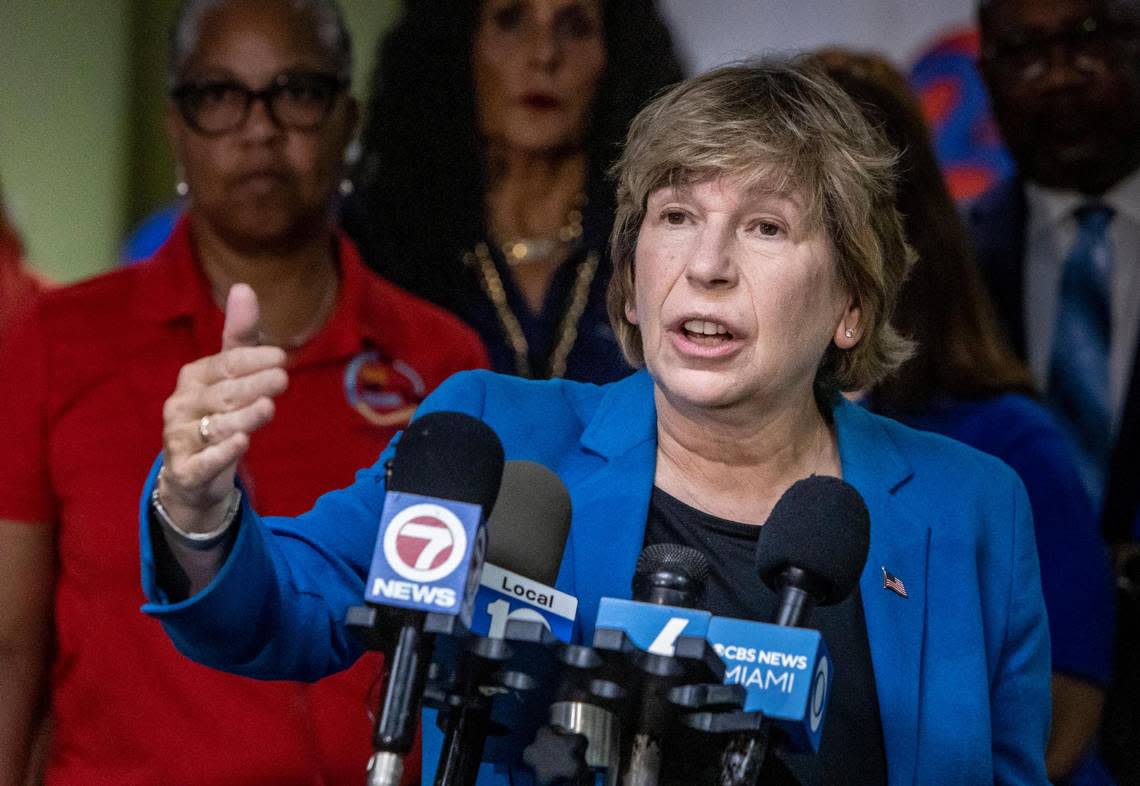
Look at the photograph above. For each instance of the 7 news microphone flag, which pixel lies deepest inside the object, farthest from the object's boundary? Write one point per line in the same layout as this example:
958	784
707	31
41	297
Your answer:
429	554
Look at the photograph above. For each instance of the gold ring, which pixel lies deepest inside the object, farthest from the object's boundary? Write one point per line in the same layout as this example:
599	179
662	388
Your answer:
204	429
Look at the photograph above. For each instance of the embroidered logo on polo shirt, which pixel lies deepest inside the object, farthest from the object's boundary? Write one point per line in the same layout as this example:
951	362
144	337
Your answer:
385	392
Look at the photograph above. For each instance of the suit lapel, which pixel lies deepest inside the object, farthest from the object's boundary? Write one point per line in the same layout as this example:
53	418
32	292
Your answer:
899	543
1121	517
610	481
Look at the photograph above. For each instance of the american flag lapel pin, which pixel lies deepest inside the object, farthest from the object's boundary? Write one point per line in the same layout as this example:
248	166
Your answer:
893	583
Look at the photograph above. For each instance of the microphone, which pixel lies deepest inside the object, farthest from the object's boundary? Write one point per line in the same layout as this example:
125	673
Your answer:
667	585
527	537
811	551
668	574
813	547
441	484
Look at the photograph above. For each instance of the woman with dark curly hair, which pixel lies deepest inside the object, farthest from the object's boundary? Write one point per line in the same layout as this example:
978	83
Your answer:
482	184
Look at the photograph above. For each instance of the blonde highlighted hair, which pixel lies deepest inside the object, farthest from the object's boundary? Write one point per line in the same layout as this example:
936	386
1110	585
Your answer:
780	125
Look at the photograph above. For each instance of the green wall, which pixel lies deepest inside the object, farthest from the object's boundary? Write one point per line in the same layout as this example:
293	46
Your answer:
63	101
82	151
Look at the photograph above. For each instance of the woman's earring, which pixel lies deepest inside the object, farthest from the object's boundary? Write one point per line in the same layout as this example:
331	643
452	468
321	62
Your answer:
849	332
181	187
351	158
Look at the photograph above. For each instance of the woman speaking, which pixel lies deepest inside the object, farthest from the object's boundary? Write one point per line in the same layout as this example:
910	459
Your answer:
758	255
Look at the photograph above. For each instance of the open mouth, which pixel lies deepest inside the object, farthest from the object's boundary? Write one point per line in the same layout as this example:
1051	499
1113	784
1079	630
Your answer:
260	178
705	333
541	101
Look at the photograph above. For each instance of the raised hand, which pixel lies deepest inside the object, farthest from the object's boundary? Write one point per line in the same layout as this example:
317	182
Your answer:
220	400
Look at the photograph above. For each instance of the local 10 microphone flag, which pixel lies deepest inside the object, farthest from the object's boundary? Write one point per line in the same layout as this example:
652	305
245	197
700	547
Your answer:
504	596
429	555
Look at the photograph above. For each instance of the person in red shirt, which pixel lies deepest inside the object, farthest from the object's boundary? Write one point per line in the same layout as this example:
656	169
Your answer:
17	285
259	119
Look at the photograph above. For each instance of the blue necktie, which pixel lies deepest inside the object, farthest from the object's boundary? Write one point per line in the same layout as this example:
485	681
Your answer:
1078	374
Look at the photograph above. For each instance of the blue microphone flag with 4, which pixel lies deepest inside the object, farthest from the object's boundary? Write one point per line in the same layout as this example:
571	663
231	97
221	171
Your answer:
428	556
651	627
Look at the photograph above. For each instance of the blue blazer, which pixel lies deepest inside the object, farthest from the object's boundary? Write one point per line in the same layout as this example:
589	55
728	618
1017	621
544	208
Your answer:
961	665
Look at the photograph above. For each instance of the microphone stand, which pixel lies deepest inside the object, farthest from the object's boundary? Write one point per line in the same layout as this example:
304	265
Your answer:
464	736
474	679
745	755
395	729
743	759
466	665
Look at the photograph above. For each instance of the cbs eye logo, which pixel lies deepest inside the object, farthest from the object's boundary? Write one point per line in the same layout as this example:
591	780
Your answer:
819	693
425	542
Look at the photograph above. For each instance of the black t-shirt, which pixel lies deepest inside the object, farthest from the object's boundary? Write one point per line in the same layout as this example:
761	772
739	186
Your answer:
851	750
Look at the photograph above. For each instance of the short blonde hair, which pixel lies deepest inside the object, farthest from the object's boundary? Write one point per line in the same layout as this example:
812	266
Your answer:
785	126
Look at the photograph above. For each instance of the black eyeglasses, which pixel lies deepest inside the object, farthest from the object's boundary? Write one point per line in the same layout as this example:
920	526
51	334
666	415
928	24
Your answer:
1089	47
296	100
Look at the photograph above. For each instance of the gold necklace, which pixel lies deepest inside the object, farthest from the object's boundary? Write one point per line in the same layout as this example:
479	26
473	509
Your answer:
324	310
492	284
520	250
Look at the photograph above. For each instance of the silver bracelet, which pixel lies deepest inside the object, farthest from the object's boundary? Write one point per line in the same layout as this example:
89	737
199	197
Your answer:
199	541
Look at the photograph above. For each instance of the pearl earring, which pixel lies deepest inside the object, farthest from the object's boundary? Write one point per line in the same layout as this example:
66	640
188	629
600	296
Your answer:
346	187
849	332
182	188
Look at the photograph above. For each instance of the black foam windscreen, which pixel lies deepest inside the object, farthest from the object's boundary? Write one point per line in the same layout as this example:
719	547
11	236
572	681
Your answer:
820	525
527	532
451	456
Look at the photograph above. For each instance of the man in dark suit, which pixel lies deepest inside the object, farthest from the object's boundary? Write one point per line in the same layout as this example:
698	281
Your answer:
1059	245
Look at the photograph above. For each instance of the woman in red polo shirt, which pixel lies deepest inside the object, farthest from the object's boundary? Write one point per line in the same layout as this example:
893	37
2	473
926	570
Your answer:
259	117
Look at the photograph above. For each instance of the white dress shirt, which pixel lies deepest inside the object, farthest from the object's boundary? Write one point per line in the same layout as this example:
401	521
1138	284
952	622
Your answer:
1050	235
